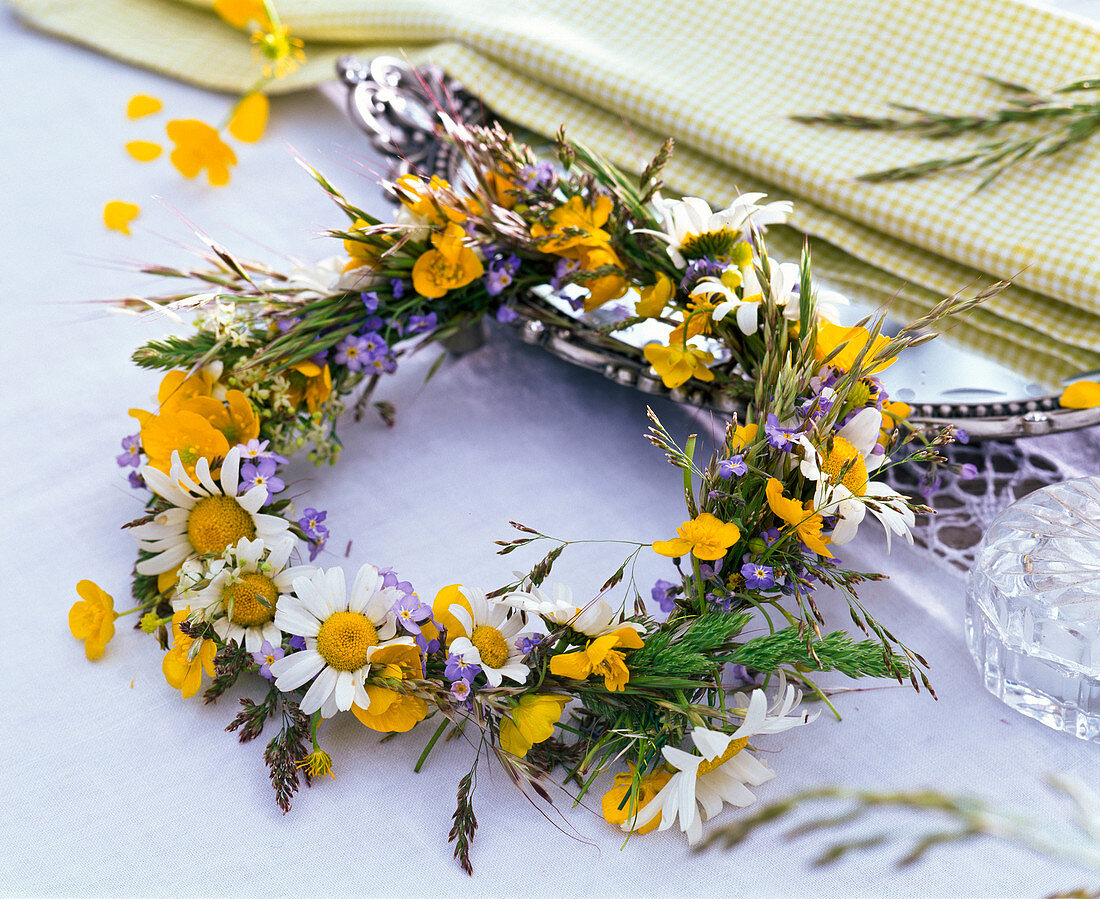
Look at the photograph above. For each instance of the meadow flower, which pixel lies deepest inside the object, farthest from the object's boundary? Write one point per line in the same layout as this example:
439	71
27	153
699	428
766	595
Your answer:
705	537
720	770
343	632
693	231
664	594
261	474
243	588
391	710
265	656
205	517
281	54
487	637
619	806
449	265
848	344
92	618
183	665
198	147
603	656
758	577
530	721
677	364
733	467
555	603
799	517
131	454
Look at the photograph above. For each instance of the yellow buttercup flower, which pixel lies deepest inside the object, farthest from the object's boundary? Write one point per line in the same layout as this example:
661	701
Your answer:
281	54
249	119
618	808
705	536
575	226
361	253
92	619
193	423
607	287
602	657
184	664
1080	395
696	321
441	611
391	711
449	265
310	383
892	415
853	340
802	518
117	215
531	722
655	297
422	200
742	436
198	147
678	364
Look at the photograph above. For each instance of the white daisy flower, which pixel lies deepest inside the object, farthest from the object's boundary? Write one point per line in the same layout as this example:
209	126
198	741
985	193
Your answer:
555	603
691	228
490	637
720	771
342	632
206	518
844	488
242	590
784	279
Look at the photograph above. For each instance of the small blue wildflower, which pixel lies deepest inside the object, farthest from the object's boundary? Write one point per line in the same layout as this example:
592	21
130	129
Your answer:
664	594
261	474
777	435
733	467
758	577
370	300
132	454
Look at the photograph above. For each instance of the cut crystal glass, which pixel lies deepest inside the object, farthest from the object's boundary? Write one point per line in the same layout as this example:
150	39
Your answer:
1033	607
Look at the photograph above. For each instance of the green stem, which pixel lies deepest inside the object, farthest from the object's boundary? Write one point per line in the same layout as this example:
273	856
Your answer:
431	743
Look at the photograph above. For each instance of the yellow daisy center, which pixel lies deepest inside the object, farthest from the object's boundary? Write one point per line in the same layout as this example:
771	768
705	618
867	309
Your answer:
253	598
217	522
713	244
491	644
735	747
345	639
844	457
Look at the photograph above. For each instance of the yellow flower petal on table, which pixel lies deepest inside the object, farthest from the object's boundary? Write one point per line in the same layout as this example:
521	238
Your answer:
249	119
143	150
618	809
117	215
240	13
655	297
141	105
806	523
441	611
706	536
92	619
1080	395
531	722
198	147
853	340
183	665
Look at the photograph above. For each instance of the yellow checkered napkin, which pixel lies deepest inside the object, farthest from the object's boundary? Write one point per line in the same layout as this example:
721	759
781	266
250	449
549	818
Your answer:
723	77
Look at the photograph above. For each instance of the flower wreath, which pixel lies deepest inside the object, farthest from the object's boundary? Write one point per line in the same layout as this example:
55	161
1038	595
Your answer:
671	702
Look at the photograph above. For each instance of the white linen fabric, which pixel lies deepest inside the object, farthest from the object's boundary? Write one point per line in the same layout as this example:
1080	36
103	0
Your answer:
113	785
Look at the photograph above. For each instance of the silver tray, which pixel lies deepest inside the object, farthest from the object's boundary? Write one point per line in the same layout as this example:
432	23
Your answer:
397	107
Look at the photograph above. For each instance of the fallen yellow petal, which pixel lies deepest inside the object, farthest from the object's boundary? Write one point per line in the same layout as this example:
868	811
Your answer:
142	105
249	118
143	150
118	215
1081	395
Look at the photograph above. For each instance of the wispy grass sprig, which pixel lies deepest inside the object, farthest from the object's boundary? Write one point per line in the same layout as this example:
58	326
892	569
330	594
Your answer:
1054	122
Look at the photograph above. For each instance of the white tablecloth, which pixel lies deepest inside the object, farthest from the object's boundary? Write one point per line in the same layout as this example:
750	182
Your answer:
112	785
